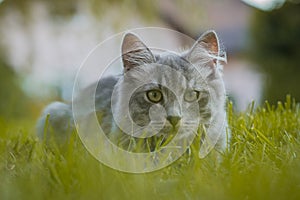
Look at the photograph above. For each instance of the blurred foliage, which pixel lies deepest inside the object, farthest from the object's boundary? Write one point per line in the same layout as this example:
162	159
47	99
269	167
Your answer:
146	9
13	102
276	49
68	8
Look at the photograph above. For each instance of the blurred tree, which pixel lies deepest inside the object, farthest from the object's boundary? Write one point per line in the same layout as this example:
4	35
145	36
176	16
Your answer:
276	49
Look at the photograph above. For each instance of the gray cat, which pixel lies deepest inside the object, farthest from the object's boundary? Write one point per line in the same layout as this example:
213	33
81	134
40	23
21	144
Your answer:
176	90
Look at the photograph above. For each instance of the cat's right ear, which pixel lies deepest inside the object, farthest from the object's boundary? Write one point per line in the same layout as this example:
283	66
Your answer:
207	46
135	52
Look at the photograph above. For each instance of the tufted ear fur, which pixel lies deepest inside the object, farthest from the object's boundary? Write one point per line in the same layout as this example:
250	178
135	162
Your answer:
206	47
135	52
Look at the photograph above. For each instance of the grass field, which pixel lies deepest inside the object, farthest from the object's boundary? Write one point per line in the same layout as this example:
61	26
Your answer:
263	162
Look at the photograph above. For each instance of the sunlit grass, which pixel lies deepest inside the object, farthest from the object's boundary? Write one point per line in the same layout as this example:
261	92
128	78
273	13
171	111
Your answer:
262	163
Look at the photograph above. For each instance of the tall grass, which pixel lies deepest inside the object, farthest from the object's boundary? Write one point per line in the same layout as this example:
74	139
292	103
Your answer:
262	163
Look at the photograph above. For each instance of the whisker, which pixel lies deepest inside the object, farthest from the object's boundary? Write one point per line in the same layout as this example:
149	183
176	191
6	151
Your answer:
171	147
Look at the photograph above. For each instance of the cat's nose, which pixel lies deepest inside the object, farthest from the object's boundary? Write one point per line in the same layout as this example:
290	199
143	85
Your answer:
174	120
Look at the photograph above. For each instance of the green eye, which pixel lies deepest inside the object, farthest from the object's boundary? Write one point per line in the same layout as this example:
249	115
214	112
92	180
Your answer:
191	95
154	96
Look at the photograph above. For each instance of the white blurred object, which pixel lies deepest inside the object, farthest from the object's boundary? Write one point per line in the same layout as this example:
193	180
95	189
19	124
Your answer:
265	5
243	83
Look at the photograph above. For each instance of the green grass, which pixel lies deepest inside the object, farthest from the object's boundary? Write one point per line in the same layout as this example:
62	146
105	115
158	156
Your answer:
263	162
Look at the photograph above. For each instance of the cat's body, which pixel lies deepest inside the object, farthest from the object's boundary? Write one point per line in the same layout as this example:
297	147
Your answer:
188	86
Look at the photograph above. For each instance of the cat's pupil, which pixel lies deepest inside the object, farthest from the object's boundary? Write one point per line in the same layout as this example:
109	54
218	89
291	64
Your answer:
154	96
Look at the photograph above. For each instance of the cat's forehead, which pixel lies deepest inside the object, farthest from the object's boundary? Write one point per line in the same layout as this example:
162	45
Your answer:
179	72
180	64
174	61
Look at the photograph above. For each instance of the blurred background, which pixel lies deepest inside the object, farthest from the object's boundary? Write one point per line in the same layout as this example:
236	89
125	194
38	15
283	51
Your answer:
43	43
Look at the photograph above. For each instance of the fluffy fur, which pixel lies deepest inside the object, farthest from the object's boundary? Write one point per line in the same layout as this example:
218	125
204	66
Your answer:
202	71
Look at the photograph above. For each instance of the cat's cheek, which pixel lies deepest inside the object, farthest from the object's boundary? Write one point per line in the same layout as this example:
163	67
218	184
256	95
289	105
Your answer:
205	116
141	120
166	130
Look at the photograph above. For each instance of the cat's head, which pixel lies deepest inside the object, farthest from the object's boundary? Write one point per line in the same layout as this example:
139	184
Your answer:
175	87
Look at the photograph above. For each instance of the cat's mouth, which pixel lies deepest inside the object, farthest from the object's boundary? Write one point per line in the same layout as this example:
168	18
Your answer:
169	129
157	141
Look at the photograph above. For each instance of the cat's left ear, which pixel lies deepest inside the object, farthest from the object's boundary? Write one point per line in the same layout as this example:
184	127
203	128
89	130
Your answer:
206	47
135	52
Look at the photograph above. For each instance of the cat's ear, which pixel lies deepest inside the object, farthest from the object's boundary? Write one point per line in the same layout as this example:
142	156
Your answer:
206	47
135	52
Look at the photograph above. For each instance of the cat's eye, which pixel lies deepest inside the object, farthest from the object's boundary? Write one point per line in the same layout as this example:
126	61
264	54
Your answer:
154	96
191	95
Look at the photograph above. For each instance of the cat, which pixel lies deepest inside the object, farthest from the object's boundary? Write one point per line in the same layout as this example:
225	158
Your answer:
193	77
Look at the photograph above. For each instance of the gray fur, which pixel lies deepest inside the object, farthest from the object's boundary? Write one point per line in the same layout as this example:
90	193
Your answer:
203	58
